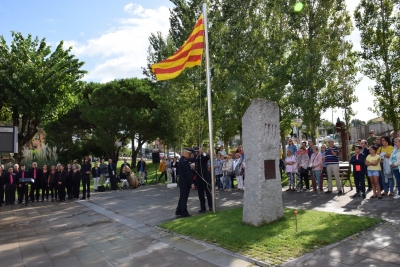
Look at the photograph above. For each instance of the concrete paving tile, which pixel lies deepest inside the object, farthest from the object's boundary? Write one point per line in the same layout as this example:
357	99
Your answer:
104	246
29	253
38	261
67	262
382	255
393	248
11	262
185	245
340	257
13	254
221	259
115	254
375	263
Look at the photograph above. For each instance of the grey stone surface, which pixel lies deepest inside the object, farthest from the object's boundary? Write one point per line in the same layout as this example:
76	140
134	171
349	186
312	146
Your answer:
262	201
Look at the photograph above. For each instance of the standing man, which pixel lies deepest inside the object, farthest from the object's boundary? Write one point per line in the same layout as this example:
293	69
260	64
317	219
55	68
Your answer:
332	165
96	176
61	181
185	183
111	172
218	162
371	139
85	171
237	165
36	174
168	169
103	172
365	151
10	186
141	168
203	178
310	148
23	187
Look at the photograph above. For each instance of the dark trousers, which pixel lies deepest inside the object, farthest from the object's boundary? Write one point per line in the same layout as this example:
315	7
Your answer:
304	177
75	187
23	193
1	194
69	186
113	182
45	191
53	190
359	181
34	193
232	185
203	187
218	181
86	186
10	193
61	191
182	202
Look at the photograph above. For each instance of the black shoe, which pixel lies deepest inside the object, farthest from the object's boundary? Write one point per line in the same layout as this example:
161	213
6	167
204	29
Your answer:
210	209
83	198
328	192
369	189
202	211
7	204
19	202
186	215
340	193
178	213
363	195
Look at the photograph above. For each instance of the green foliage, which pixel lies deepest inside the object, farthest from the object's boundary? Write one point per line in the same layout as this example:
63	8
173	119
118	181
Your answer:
275	242
379	23
37	84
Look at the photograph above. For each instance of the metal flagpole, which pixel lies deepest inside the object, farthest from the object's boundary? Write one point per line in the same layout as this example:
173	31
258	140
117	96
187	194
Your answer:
210	124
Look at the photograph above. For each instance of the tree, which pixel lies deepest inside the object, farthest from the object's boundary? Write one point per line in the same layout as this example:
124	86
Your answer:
357	122
37	85
320	54
379	24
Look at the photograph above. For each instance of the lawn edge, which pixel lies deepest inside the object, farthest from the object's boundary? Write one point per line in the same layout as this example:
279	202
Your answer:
217	248
264	264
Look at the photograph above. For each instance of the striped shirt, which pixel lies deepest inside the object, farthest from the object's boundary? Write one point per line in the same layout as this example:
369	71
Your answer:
329	158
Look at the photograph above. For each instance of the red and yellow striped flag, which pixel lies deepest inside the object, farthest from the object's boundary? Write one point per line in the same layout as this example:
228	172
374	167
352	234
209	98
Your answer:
189	55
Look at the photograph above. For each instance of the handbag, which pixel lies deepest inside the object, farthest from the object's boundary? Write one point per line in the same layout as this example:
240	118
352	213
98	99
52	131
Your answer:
230	174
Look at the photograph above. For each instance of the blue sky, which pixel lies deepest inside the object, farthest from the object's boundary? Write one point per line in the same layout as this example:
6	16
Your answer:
112	36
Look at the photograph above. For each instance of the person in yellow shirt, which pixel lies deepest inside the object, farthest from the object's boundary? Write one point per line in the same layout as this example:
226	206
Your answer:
386	179
373	166
162	169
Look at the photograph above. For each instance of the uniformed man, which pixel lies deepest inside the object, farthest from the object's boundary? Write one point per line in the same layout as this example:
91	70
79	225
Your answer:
185	183
203	178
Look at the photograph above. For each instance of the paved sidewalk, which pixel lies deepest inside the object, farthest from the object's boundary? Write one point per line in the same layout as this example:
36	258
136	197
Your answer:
118	229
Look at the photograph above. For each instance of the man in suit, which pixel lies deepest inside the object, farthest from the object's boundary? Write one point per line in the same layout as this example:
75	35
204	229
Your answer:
185	183
36	174
22	187
61	182
203	178
86	169
112	170
10	185
365	151
141	168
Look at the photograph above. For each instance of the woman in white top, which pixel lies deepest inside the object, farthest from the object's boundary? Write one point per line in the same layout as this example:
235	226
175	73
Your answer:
290	169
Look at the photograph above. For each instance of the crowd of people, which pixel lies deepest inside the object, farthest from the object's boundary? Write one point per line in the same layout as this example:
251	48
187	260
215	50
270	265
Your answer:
375	160
60	182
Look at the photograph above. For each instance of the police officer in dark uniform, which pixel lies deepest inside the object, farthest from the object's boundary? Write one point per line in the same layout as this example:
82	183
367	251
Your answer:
185	183
203	178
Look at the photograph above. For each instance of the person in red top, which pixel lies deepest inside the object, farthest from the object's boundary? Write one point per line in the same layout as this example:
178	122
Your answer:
10	186
36	174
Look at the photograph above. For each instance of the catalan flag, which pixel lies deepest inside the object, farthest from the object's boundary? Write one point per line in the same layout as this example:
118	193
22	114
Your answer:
188	56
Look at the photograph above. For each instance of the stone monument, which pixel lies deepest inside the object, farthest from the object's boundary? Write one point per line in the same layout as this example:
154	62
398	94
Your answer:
261	139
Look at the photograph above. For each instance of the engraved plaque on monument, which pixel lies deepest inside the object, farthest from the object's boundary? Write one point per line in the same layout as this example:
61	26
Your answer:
262	202
269	169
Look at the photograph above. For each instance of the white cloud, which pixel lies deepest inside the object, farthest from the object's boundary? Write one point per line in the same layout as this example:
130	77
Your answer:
122	51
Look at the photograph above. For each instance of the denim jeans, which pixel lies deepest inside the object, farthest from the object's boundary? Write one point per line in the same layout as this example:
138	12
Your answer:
397	176
388	185
218	181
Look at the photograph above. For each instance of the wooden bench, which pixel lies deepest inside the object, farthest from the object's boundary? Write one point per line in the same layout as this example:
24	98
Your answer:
344	174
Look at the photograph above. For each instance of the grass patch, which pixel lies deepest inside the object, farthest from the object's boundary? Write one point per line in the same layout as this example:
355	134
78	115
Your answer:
274	243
